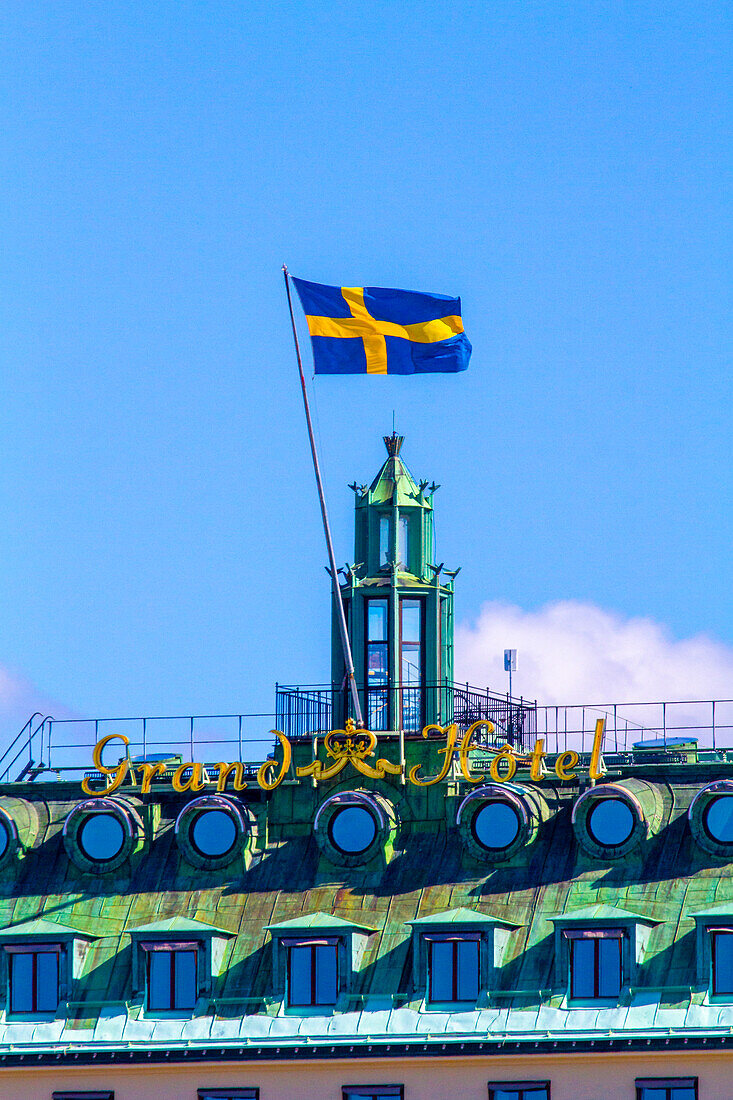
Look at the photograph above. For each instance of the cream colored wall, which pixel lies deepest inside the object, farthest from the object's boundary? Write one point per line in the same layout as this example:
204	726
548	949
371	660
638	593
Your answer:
603	1077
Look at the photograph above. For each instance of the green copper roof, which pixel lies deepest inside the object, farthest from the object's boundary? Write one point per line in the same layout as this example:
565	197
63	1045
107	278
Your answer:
40	929
725	910
597	913
460	916
319	922
179	926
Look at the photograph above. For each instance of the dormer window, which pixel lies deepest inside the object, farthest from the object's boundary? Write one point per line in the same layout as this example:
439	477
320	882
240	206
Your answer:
312	972
598	950
174	962
40	960
595	963
314	960
453	967
721	949
33	977
171	976
455	955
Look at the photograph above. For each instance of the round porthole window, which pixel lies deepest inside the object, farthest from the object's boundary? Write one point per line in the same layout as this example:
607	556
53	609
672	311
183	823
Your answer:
214	833
719	819
499	819
355	826
711	818
610	822
213	830
101	837
611	819
353	829
19	826
495	825
101	833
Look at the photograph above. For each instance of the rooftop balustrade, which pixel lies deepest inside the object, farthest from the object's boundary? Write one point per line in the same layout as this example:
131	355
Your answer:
680	731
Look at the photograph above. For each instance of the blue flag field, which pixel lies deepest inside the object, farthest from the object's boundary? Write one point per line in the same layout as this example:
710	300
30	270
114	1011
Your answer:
371	330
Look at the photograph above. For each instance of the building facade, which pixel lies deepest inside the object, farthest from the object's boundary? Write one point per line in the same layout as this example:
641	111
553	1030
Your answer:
466	899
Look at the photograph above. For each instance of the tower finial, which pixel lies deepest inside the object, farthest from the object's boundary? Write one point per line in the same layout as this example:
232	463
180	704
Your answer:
393	443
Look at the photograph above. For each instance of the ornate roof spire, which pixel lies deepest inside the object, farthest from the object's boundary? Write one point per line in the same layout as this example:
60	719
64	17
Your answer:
393	444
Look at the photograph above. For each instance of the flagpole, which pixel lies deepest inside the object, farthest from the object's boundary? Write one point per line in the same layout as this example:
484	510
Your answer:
348	659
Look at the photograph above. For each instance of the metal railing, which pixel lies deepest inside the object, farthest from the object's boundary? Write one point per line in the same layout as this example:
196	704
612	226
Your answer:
66	746
304	710
677	731
631	728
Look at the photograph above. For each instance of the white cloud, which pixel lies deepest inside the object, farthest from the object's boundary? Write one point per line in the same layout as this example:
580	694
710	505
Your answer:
19	699
576	653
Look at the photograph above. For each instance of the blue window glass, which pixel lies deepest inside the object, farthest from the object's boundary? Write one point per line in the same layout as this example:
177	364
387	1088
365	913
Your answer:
372	1092
719	819
34	981
377	664
666	1088
312	975
453	970
214	833
353	829
4	839
172	981
529	1090
384	526
228	1094
411	663
611	822
722	958
101	837
495	825
404	548
595	967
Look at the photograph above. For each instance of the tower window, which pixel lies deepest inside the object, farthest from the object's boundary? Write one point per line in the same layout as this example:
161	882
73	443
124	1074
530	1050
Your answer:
404	545
411	662
384	526
377	662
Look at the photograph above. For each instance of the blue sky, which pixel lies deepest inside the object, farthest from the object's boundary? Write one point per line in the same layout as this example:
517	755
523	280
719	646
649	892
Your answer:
565	168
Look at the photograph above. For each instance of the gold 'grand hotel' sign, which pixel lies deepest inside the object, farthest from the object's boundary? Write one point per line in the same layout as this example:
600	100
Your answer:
348	746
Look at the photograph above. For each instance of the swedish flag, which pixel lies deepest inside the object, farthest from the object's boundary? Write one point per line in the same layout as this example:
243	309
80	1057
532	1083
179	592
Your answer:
370	330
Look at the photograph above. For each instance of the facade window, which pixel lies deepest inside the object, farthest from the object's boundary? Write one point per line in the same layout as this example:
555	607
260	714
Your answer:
453	967
372	1092
312	975
228	1094
172	976
411	663
595	963
721	947
377	663
97	1094
33	974
519	1090
666	1088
